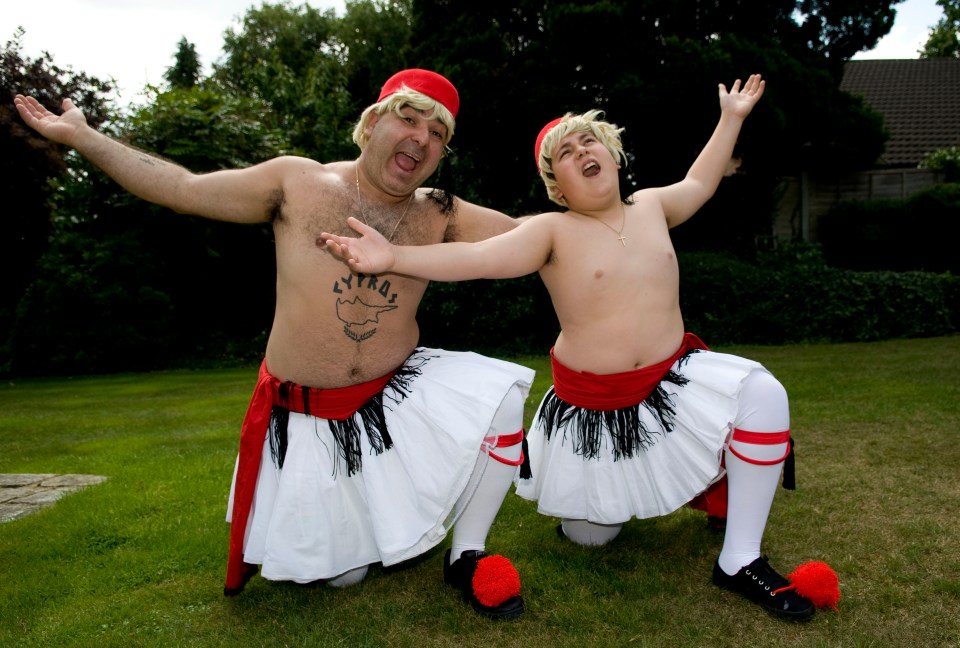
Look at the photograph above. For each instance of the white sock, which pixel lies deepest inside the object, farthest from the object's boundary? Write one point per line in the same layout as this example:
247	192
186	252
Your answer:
587	533
348	578
490	481
763	408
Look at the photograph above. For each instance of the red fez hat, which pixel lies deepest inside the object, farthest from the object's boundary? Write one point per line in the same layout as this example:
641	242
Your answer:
543	133
426	82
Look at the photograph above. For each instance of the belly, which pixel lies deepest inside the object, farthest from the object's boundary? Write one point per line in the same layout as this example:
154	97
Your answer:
336	355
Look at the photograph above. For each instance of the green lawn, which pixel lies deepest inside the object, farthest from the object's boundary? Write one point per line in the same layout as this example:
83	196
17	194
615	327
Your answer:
139	560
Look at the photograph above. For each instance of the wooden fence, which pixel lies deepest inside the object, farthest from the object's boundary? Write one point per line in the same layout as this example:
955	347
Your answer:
806	198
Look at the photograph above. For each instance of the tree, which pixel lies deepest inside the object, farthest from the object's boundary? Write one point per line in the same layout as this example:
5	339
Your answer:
375	40
143	287
294	80
944	38
30	164
838	30
291	59
653	66
185	72
945	160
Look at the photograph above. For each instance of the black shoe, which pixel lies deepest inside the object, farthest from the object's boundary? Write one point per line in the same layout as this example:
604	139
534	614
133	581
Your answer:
460	575
716	523
249	571
759	583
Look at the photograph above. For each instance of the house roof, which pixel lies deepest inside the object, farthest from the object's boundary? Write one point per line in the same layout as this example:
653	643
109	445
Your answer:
919	100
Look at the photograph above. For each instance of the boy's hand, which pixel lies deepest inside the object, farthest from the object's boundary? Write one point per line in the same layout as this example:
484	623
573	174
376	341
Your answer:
370	254
740	101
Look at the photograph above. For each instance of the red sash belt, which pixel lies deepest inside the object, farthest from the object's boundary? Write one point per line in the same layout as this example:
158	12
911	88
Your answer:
339	404
614	391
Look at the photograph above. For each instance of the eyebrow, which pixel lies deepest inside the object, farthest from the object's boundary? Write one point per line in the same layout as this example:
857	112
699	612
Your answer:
569	142
423	115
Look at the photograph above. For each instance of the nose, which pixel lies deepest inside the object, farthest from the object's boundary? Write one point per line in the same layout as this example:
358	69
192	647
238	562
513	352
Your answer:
421	134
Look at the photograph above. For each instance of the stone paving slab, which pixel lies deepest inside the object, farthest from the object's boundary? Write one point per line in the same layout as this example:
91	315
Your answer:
22	493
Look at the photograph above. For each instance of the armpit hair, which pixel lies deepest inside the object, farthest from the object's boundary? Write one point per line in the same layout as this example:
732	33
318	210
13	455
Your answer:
445	200
275	205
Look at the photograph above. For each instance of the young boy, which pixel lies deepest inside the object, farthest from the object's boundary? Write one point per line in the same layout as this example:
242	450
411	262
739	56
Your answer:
642	418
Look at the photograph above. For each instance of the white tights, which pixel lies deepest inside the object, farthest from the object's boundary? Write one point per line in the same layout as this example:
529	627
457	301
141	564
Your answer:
763	408
488	485
491	479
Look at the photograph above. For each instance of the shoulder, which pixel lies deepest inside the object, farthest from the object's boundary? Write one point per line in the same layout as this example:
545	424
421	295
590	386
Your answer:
304	185
294	164
299	174
644	195
470	222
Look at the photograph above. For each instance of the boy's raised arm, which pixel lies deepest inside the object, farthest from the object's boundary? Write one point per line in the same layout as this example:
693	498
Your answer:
681	200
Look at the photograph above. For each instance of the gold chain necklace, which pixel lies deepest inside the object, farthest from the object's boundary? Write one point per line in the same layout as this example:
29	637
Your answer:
622	225
363	216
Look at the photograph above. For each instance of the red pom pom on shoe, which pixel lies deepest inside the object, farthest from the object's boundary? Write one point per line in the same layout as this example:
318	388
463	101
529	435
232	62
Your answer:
495	581
817	582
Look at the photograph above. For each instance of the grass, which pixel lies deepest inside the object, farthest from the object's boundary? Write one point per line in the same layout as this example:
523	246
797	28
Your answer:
139	560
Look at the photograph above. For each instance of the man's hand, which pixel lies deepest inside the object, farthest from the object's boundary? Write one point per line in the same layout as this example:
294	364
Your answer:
740	101
62	129
370	254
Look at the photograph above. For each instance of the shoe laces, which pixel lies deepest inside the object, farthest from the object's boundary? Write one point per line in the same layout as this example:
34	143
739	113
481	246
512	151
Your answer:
765	577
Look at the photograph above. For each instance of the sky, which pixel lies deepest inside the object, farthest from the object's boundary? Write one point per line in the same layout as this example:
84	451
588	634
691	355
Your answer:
910	29
134	41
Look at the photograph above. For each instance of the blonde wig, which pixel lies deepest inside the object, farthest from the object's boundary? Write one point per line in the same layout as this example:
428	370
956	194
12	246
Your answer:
396	102
606	133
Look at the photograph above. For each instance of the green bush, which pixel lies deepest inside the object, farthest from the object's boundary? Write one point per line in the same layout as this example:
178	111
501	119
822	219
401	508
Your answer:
792	296
787	296
946	160
898	235
499	317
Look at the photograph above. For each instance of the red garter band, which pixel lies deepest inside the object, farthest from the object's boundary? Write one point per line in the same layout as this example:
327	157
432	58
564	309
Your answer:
614	391
505	441
338	404
760	438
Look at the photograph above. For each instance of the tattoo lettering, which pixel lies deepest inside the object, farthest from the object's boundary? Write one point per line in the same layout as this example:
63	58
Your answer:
371	297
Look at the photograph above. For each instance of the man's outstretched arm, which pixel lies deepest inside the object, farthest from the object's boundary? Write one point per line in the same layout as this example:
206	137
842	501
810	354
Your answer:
242	195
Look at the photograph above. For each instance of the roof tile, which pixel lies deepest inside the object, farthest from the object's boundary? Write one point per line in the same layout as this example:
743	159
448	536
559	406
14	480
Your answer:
919	100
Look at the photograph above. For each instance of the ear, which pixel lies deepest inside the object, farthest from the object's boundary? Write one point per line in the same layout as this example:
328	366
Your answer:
371	122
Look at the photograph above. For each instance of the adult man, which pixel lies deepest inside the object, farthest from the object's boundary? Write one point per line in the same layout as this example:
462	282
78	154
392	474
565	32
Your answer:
642	417
369	444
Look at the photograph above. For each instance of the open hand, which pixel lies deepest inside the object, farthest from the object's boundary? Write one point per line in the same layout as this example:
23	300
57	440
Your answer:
58	128
370	254
740	101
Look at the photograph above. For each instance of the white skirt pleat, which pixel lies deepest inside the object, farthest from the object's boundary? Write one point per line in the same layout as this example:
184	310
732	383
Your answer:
311	520
657	480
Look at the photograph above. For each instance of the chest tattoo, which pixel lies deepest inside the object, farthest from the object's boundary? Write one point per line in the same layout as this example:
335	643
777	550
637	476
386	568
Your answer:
361	300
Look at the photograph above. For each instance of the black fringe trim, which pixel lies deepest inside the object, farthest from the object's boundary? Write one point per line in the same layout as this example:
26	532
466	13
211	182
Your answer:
279	418
789	468
629	434
525	470
346	433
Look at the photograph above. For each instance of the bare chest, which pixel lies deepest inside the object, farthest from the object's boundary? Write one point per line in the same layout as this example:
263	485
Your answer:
305	215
